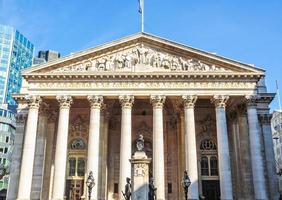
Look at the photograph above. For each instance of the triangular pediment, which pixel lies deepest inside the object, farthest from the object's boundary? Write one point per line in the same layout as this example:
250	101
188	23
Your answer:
142	53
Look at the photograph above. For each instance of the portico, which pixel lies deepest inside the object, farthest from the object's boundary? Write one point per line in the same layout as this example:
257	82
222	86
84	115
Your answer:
177	97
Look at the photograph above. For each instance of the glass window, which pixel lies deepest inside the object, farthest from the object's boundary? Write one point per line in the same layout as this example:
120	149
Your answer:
72	164
213	166
80	167
208	145
204	166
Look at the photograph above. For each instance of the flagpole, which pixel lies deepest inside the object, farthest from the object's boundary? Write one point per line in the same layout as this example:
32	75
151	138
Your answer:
142	28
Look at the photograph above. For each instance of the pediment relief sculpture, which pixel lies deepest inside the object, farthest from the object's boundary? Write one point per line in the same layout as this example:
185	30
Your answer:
141	59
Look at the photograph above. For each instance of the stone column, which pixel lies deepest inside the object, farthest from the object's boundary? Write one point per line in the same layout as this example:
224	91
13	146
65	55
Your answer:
125	141
265	121
52	118
94	141
29	148
256	147
223	148
245	161
15	165
190	145
103	161
40	149
61	148
158	145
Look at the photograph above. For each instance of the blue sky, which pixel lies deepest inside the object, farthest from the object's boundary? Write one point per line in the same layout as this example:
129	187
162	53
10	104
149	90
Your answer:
249	31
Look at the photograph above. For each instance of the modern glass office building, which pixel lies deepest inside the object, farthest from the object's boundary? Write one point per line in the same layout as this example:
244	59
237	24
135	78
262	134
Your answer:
16	53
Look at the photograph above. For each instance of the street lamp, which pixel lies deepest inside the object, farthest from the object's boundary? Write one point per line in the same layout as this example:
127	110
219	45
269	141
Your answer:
186	183
90	183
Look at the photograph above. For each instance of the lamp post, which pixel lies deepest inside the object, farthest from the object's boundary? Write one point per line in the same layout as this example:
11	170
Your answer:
90	183
186	183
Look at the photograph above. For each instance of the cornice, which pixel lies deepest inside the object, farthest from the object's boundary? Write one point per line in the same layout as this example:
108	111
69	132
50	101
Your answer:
133	75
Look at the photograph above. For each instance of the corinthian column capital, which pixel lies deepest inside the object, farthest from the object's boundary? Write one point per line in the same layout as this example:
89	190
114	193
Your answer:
157	100
251	100
220	100
33	101
189	100
65	101
126	101
95	101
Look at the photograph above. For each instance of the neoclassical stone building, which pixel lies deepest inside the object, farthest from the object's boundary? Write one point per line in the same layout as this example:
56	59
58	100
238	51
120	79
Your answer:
196	110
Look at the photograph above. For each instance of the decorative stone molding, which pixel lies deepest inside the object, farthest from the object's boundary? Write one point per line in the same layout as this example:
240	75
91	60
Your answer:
251	100
207	125
33	101
157	101
232	115
52	117
220	100
96	101
241	109
65	101
44	109
141	58
189	100
126	101
265	118
21	117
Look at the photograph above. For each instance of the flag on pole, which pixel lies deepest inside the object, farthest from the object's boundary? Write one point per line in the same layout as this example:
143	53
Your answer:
141	6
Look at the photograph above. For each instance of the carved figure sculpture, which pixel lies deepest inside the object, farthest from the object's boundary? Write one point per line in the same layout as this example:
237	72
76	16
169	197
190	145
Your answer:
142	54
140	143
152	190
127	191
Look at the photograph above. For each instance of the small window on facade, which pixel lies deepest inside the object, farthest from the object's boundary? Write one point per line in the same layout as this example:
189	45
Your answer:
4	161
169	188
5	150
208	145
213	165
80	167
204	166
7	139
116	188
1	150
72	164
78	144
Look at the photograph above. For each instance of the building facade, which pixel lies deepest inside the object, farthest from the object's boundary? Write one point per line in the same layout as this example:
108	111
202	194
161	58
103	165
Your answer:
276	123
16	53
196	111
46	56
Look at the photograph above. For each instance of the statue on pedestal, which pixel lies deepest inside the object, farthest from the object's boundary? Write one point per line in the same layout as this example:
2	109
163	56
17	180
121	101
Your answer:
152	190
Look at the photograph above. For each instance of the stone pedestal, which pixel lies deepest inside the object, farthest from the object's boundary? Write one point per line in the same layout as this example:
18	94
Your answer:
140	176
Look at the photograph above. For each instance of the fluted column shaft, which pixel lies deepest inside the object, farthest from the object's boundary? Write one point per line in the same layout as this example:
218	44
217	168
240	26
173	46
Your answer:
255	147
223	148
93	141
190	145
158	145
125	141
61	148
29	149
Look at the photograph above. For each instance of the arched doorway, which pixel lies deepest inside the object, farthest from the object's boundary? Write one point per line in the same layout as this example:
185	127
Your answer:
209	170
76	169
